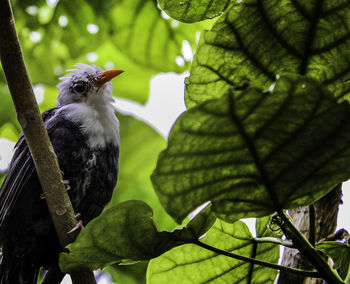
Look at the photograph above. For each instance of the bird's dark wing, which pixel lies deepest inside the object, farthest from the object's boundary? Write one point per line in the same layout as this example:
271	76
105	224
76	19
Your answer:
21	170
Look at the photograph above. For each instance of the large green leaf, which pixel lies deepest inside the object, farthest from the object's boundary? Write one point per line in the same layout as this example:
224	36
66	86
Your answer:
258	39
136	27
139	149
140	146
252	153
190	11
126	234
129	274
139	30
340	253
192	264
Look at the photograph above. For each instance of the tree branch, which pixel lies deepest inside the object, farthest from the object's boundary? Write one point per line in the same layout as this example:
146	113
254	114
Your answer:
28	114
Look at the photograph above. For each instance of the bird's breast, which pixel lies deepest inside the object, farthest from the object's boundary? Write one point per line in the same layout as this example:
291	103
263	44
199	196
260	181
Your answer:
99	124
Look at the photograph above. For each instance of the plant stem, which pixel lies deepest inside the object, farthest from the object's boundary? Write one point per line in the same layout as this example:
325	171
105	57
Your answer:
347	278
312	232
251	266
274	241
306	273
305	248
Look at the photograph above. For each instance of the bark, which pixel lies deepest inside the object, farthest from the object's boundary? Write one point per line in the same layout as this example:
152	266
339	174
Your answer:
326	212
28	114
83	277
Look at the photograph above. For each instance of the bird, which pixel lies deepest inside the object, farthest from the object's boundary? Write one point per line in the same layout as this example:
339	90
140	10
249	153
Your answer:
84	131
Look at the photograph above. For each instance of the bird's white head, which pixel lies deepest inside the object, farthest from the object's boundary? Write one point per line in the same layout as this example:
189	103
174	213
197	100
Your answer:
87	84
85	98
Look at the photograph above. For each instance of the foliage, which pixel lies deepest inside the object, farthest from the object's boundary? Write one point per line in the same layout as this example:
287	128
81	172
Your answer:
264	130
340	254
126	233
235	237
193	10
131	35
253	152
253	42
140	146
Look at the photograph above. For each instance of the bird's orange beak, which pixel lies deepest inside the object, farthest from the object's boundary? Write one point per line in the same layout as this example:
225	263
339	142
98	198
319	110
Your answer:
106	76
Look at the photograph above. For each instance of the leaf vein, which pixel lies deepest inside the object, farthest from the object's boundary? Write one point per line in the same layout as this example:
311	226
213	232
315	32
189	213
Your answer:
273	31
248	54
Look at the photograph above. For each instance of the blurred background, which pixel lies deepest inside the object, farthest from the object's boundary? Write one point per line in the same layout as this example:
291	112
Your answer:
155	52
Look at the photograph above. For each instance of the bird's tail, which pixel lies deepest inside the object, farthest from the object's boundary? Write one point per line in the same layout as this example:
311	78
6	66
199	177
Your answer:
17	271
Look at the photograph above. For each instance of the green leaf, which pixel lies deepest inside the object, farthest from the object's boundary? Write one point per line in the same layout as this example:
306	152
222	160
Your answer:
139	30
190	11
2	176
265	251
252	152
192	264
129	274
124	86
64	54
256	40
7	109
126	234
340	253
139	149
9	131
9	126
202	222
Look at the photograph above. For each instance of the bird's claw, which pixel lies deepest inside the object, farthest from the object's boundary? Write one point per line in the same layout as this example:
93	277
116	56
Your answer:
79	226
65	181
66	184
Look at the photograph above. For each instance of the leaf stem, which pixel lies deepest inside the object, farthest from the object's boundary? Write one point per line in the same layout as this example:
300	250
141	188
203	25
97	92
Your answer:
251	266
274	241
305	248
306	273
312	225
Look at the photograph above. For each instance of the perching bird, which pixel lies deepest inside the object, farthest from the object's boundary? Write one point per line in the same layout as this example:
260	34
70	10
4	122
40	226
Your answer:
84	132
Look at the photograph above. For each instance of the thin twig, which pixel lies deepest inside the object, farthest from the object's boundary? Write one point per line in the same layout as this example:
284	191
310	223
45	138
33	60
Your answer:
275	241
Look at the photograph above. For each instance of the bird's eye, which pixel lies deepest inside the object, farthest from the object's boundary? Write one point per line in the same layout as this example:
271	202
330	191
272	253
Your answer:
80	88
